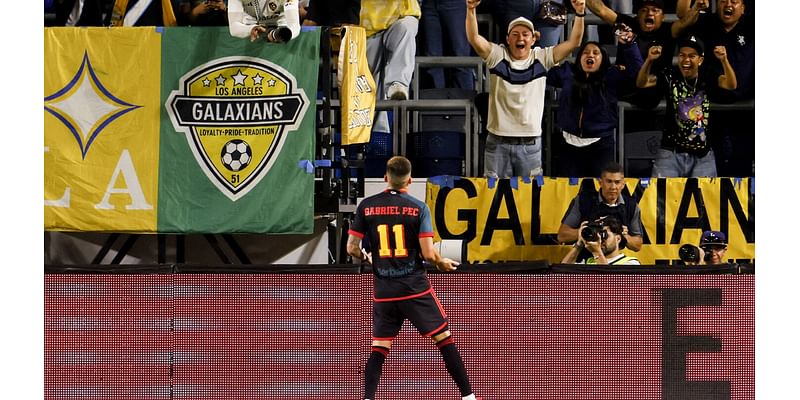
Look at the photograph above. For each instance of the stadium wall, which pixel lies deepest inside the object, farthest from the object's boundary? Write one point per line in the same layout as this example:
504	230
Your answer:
158	332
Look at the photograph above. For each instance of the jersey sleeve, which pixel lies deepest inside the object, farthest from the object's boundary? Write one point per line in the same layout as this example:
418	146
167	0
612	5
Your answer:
359	227
426	222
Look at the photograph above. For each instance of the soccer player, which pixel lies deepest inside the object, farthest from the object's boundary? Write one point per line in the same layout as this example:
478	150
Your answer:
400	230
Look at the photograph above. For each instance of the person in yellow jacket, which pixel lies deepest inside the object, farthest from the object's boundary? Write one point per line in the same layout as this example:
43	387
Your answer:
604	244
391	27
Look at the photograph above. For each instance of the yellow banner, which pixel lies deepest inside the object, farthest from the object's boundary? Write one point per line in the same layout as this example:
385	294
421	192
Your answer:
356	86
518	219
101	124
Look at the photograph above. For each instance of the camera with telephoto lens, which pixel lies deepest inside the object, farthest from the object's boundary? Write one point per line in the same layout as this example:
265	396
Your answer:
592	232
689	253
280	34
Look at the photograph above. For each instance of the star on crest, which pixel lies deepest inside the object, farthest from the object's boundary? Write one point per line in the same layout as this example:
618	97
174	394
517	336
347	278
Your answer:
220	80
257	79
85	106
271	82
206	82
239	78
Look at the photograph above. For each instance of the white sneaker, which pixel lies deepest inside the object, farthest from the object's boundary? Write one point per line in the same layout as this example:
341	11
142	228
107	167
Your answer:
397	91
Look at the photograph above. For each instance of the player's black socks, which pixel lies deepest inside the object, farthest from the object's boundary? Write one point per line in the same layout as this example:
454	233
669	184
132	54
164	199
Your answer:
372	372
454	364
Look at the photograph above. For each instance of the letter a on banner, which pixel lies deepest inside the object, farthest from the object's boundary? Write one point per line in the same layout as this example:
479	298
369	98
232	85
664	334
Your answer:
101	101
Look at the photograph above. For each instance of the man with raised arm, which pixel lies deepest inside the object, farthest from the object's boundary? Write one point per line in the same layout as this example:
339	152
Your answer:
518	74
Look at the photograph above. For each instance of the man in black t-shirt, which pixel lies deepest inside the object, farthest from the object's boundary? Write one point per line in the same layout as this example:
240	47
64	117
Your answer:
648	25
685	150
728	27
732	27
400	230
651	30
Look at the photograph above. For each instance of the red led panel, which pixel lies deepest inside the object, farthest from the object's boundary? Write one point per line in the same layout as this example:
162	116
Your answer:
261	336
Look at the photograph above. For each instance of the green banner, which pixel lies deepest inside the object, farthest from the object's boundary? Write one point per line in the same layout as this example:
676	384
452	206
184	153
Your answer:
226	106
179	130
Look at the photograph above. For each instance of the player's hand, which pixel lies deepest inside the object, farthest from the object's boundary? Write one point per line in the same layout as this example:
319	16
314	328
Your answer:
366	256
473	3
447	265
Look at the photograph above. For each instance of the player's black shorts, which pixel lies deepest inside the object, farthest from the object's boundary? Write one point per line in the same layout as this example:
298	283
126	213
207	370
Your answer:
425	313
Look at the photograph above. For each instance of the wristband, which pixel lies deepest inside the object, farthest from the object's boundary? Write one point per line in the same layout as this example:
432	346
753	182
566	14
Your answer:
580	15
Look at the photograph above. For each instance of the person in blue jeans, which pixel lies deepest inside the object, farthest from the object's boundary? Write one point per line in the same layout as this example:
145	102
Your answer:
685	149
445	35
517	77
587	112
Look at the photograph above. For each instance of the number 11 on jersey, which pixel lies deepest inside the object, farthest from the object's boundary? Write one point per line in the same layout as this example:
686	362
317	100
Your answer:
386	250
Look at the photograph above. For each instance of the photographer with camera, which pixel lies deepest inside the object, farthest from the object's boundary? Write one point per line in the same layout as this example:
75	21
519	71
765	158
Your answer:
711	251
276	21
589	205
603	238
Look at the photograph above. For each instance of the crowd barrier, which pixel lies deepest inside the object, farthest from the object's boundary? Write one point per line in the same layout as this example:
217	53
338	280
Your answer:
303	332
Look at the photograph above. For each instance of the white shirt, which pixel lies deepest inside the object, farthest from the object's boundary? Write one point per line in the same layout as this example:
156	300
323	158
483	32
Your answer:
243	15
516	109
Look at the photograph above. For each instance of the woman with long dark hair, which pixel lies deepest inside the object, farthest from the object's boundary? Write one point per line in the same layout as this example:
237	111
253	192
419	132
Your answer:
587	113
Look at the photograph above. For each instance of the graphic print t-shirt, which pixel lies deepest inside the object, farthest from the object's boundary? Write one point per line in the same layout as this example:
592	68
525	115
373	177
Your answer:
686	127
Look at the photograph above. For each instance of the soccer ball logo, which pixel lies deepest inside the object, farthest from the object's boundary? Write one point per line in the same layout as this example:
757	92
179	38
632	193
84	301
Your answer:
236	155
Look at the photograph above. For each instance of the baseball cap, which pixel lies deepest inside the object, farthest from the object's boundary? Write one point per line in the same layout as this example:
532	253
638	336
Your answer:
641	3
713	238
520	21
693	42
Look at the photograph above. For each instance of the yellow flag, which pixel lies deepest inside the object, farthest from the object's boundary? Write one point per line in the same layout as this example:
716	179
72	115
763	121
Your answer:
356	87
101	128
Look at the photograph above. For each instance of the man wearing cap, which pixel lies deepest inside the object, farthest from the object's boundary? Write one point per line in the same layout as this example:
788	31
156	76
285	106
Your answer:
714	245
685	150
518	74
735	130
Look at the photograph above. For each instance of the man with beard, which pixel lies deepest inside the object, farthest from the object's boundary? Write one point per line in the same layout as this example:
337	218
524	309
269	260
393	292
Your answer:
648	25
685	150
735	130
728	27
604	245
518	74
